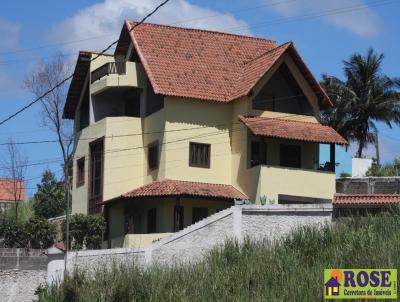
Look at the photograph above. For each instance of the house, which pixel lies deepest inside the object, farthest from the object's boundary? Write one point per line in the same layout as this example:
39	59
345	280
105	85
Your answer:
11	191
179	123
332	287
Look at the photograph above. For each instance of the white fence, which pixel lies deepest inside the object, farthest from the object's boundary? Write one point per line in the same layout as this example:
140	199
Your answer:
192	243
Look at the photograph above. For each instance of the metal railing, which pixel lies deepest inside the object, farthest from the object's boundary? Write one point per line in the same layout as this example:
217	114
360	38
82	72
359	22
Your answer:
107	69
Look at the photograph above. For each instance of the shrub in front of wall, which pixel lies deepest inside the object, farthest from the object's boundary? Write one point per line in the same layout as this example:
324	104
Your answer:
35	233
42	233
85	231
15	234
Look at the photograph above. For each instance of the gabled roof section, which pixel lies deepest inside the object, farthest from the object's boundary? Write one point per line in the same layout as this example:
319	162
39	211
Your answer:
82	67
292	130
171	187
206	65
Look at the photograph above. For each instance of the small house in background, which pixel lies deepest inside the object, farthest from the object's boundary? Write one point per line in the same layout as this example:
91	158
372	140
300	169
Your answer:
11	191
360	166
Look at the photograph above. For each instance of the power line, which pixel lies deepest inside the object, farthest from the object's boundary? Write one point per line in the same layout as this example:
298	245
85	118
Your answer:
164	131
69	77
324	13
172	23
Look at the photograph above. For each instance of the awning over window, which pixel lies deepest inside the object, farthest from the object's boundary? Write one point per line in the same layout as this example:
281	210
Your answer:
170	187
293	130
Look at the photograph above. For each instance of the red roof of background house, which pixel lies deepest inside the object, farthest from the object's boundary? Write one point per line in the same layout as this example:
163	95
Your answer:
366	199
293	130
170	187
10	189
200	64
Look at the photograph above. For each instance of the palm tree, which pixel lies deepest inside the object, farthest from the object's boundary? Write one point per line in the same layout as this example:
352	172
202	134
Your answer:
366	97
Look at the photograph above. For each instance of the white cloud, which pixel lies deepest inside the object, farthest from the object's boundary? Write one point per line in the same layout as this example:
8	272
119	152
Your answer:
9	33
104	21
346	14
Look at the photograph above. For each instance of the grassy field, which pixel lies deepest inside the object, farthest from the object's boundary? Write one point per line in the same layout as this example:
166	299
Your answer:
288	270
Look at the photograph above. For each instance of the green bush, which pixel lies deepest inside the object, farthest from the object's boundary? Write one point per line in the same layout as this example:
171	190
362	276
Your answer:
290	269
85	231
345	174
35	233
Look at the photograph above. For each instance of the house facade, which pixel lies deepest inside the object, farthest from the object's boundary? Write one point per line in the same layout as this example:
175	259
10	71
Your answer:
12	191
179	123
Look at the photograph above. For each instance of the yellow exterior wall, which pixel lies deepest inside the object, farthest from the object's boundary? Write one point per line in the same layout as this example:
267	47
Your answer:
185	120
209	123
273	181
123	158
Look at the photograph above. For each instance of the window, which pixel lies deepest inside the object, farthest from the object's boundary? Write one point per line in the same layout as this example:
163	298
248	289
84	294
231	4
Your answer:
199	155
199	214
151	220
258	154
80	172
178	218
153	155
290	156
96	176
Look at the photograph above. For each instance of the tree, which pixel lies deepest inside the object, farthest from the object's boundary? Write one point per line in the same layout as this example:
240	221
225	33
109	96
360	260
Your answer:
15	169
47	76
367	96
49	200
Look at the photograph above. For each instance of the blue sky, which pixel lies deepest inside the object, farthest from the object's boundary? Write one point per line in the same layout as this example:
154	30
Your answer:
325	32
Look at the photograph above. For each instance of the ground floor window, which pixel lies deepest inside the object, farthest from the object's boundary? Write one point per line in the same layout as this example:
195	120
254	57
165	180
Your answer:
199	214
152	220
178	218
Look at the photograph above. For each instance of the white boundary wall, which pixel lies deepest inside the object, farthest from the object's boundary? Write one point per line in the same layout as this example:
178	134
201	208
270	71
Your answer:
256	222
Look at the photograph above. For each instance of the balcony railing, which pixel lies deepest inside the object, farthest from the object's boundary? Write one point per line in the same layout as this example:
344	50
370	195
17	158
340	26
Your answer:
107	69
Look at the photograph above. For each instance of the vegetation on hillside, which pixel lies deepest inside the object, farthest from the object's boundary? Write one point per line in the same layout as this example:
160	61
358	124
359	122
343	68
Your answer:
389	169
290	269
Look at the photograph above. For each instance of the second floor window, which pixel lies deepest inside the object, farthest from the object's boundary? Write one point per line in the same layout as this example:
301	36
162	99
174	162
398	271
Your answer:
290	156
96	176
80	172
199	155
258	154
153	155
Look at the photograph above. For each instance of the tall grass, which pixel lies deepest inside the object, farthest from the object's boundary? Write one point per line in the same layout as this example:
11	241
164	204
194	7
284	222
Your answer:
290	269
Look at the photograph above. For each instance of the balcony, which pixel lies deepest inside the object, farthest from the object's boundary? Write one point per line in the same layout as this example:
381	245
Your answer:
283	184
115	74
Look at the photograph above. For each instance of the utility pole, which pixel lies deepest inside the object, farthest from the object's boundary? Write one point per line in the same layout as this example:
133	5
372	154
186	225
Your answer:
378	160
67	192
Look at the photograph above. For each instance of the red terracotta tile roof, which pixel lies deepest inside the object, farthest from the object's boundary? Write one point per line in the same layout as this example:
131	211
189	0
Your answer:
170	187
366	199
199	64
293	130
10	189
205	64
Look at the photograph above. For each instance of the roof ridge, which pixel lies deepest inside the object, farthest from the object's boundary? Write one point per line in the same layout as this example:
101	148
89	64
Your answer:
288	43
206	31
